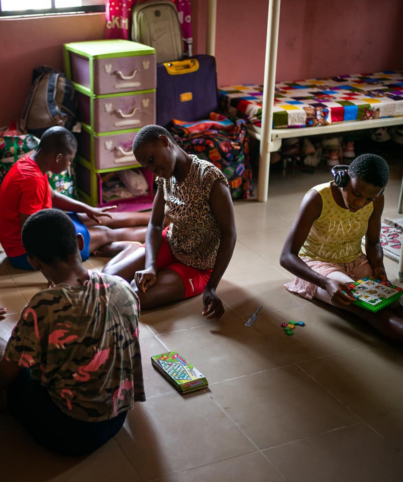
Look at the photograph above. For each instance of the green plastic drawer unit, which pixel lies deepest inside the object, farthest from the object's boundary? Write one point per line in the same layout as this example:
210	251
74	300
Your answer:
107	151
102	67
89	183
117	112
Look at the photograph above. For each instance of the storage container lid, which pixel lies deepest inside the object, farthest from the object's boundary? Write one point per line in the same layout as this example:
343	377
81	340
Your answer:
106	49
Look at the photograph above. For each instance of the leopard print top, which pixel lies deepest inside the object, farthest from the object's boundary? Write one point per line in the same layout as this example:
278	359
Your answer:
193	234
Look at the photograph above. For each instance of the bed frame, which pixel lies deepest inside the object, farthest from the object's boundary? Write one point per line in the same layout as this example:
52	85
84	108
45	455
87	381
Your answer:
270	139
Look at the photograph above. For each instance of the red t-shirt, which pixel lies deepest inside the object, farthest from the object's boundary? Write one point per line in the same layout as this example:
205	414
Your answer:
25	190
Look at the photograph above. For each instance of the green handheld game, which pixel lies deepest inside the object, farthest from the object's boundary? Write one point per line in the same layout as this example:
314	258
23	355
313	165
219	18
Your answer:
181	374
373	294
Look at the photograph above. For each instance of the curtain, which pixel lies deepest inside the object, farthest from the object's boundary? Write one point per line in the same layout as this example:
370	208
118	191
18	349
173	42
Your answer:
118	20
118	14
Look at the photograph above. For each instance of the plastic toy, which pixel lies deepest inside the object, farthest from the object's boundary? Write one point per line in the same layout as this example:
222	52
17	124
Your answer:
290	326
373	294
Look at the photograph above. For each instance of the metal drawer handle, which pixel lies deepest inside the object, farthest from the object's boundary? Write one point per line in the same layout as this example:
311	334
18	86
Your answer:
125	153
128	115
127	77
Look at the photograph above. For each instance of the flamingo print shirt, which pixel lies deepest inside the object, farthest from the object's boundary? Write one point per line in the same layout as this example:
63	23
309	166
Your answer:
82	344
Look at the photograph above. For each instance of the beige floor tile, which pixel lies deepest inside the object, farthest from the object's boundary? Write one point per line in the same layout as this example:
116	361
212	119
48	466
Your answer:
326	332
174	433
12	299
353	454
226	350
154	383
145	331
244	259
392	268
22	459
267	244
181	316
255	216
247	291
5	279
88	265
108	464
7	325
31	291
369	381
246	468
287	206
281	405
391	428
26	278
98	263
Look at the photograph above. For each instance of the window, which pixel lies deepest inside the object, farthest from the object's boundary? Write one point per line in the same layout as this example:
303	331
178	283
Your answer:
43	7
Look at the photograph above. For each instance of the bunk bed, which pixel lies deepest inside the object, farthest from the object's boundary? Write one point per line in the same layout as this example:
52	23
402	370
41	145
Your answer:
315	106
271	111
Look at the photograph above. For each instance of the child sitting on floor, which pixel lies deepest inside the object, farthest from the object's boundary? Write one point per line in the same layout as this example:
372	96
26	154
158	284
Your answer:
191	255
72	367
323	248
25	190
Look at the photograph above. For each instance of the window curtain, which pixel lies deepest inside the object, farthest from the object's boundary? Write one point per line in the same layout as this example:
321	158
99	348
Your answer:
118	20
118	13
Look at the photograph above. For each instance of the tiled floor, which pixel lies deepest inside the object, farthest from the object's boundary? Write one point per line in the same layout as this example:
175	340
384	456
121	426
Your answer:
325	405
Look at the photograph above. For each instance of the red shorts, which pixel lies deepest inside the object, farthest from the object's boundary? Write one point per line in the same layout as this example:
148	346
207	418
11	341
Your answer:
195	280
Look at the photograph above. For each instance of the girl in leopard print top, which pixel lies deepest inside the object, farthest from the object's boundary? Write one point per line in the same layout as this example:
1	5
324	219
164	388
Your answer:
190	256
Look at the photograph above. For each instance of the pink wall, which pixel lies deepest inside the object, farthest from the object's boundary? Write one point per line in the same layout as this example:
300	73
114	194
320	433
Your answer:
32	42
317	38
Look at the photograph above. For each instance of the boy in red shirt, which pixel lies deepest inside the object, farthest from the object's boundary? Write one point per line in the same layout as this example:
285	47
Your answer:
26	190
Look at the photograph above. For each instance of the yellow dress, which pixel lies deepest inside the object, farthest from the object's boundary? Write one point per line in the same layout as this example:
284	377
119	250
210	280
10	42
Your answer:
335	237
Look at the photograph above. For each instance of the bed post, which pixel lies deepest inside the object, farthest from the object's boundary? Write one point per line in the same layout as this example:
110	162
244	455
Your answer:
211	27
268	98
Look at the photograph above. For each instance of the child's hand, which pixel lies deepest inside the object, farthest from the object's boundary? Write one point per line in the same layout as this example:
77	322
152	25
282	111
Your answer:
340	293
96	213
145	279
212	305
380	273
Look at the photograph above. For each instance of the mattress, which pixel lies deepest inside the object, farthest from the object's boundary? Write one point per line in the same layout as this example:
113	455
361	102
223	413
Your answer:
319	102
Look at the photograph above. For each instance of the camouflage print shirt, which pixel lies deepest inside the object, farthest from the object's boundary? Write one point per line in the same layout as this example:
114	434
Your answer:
82	344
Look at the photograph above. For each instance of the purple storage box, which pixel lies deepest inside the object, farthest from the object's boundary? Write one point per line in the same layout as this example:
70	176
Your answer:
187	96
113	75
138	203
106	152
117	113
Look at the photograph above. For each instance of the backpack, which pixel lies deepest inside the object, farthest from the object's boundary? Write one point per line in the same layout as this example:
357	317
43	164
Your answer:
51	102
157	24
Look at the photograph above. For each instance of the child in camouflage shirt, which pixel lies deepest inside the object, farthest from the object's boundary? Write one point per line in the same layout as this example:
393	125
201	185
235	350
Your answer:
72	367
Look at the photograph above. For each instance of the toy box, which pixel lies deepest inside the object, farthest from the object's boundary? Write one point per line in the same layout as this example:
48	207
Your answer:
373	294
181	374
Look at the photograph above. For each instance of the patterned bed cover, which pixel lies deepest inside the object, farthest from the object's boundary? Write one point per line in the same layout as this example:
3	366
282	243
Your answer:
318	102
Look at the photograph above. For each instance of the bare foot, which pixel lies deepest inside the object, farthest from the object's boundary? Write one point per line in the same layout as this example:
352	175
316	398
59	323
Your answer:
113	249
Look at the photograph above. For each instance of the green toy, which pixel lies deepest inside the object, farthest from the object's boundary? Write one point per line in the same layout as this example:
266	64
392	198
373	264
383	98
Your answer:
181	374
290	326
373	294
